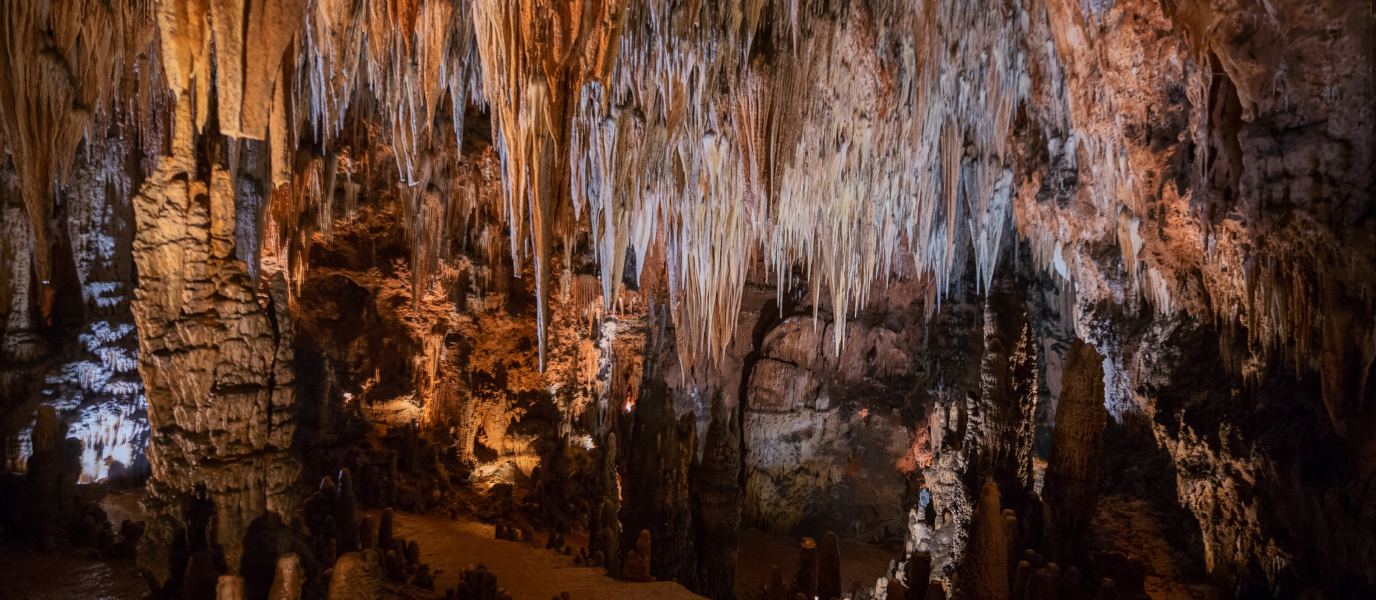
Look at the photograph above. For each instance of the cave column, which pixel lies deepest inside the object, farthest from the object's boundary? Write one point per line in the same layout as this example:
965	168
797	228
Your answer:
216	365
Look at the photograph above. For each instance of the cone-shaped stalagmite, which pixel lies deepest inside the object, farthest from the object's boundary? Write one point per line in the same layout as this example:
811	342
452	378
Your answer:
1107	590
1072	474
896	591
829	567
985	570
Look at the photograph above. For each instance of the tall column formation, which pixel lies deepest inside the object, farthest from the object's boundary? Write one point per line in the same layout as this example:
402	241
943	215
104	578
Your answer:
1072	474
216	364
1002	419
655	475
717	501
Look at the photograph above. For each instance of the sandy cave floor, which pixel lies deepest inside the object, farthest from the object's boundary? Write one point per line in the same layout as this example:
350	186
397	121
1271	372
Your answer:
450	546
527	573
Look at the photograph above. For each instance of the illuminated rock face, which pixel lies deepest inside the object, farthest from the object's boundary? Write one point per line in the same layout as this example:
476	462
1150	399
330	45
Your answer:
96	386
217	364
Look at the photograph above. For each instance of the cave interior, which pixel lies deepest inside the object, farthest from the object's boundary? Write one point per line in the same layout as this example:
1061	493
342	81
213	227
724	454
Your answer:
737	299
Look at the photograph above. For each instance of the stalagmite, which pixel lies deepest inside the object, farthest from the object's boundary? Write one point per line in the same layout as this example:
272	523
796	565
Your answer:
346	513
984	574
1072	474
829	567
637	567
384	529
355	578
287	582
1107	591
917	574
895	591
805	577
367	533
230	587
201	579
777	591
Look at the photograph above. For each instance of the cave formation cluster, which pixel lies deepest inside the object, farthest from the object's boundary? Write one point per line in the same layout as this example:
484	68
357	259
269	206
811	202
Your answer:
1036	299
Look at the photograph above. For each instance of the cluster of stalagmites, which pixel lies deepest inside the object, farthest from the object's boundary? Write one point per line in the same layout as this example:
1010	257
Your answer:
46	506
342	555
999	565
1000	560
511	532
818	574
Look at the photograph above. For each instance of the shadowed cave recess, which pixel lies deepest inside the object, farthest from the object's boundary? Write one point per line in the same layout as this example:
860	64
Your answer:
743	300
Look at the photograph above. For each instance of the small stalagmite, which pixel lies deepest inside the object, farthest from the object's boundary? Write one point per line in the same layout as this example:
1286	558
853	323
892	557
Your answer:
637	567
346	513
1023	573
384	530
413	552
918	572
367	532
286	583
1107	591
896	590
230	587
935	591
201	579
1072	585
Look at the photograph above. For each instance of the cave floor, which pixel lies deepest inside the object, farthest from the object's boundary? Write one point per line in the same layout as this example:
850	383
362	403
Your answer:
67	574
861	564
527	573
